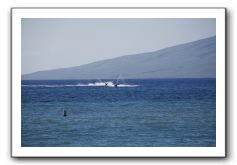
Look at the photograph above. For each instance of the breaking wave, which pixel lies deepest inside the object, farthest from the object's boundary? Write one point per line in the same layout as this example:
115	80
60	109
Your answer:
107	84
96	84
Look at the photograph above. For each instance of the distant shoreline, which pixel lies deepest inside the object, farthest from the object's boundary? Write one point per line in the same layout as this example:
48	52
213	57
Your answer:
115	79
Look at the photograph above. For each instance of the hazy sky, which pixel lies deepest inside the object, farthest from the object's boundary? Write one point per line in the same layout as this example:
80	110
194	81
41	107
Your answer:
59	43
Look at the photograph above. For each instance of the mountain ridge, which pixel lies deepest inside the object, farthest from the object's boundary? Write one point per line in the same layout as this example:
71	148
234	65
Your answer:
167	62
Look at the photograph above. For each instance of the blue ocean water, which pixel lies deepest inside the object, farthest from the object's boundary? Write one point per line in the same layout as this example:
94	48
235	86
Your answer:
138	113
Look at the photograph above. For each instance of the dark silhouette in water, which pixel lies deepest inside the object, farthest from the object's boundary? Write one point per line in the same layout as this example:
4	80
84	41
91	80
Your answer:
65	113
106	84
115	85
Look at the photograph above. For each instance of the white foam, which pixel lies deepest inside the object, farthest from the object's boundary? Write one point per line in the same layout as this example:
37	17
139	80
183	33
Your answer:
127	85
107	84
96	84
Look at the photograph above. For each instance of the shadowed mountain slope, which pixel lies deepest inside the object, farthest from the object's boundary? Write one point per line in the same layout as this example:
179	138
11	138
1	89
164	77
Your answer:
190	60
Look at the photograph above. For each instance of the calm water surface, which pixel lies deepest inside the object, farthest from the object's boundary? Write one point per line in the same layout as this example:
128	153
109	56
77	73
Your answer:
151	112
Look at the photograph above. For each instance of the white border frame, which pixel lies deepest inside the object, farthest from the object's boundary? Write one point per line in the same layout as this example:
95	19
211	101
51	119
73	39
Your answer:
218	151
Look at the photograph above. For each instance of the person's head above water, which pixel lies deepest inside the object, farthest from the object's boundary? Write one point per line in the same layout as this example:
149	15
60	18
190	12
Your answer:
64	113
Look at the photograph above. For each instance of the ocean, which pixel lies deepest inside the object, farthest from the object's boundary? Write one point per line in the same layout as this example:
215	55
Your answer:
136	113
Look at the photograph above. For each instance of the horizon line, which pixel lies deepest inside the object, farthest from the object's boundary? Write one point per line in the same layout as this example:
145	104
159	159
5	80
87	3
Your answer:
114	79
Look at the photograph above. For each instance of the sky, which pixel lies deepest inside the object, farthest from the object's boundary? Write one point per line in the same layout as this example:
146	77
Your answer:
49	43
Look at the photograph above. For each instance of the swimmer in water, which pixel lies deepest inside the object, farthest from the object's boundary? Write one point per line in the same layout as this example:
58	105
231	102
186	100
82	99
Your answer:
64	113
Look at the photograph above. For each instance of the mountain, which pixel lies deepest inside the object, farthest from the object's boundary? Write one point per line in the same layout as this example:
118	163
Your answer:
190	60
